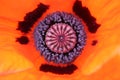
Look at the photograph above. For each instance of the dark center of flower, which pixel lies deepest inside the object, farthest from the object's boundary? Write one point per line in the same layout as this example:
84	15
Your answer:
60	37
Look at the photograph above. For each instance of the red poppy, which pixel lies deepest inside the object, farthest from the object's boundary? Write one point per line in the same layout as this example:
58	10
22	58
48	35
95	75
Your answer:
22	62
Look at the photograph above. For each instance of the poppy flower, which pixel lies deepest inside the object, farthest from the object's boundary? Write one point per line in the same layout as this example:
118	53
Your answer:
20	60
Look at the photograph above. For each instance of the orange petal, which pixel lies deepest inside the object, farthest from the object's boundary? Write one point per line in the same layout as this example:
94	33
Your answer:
10	59
96	62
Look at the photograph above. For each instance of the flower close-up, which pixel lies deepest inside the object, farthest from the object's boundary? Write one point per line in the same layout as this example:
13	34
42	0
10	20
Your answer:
59	40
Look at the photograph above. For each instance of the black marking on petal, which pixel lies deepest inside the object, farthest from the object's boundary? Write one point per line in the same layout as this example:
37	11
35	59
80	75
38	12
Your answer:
31	18
23	40
94	42
85	14
58	70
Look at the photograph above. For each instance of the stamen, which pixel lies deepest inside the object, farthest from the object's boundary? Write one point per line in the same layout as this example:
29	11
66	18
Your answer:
60	37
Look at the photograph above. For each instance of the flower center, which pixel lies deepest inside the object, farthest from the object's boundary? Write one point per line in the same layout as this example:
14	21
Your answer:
60	38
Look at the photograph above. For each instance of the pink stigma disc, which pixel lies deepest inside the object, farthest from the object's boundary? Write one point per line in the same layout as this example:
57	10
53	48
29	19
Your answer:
60	38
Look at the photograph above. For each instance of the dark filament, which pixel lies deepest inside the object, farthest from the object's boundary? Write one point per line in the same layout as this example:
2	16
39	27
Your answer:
84	13
58	70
